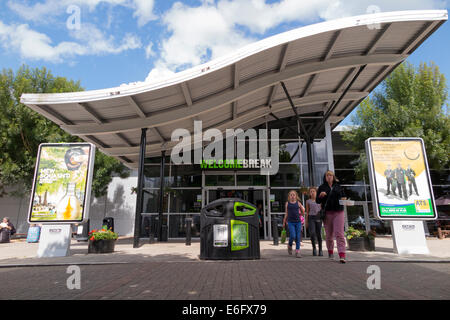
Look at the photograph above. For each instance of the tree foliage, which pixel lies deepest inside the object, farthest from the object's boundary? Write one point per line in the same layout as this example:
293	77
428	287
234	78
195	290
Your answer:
22	130
411	103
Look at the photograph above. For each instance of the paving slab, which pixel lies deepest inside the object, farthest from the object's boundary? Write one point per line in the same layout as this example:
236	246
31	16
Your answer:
21	253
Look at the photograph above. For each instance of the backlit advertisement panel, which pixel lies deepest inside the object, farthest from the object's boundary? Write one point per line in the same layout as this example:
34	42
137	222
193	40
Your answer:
400	179
62	183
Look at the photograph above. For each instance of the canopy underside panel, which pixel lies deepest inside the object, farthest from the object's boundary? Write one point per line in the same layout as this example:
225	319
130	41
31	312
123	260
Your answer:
319	65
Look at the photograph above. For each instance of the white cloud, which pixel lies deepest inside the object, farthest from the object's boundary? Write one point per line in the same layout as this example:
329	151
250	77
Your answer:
34	45
42	11
144	11
197	35
216	28
160	72
98	43
149	51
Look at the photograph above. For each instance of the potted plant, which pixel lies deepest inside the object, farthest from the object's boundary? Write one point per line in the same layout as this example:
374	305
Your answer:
102	241
355	239
370	240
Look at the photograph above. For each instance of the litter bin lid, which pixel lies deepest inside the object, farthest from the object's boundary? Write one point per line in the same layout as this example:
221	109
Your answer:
240	207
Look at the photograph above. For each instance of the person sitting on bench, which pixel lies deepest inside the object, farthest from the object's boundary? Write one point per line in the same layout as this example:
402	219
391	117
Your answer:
6	230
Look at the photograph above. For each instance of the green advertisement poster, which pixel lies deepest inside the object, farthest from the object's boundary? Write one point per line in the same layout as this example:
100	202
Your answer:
400	179
60	183
239	235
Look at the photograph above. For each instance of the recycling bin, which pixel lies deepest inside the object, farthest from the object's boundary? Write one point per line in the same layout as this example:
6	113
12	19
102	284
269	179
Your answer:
108	222
229	230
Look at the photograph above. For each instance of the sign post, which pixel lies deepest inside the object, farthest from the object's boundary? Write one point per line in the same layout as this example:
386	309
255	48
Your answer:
61	193
401	190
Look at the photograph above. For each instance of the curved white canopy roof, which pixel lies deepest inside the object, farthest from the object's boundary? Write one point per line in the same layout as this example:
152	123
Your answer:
328	69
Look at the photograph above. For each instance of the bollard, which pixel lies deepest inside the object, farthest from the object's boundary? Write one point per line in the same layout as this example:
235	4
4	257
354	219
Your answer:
164	233
151	237
156	219
188	231
275	231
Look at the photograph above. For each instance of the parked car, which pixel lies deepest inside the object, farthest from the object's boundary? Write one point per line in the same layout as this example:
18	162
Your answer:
379	225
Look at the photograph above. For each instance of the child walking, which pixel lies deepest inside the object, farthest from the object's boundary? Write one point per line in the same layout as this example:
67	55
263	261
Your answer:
293	211
313	220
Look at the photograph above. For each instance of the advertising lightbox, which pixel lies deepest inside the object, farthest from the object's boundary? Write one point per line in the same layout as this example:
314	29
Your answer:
399	178
62	183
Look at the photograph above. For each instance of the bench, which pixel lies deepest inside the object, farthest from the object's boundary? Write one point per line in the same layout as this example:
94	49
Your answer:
19	236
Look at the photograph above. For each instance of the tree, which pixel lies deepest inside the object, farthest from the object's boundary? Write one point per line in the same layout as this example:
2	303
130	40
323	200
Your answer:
411	103
22	130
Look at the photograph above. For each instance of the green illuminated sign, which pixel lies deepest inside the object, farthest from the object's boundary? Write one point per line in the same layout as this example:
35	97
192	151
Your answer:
239	235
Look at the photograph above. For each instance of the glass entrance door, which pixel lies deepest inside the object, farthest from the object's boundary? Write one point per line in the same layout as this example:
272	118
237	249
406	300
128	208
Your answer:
256	196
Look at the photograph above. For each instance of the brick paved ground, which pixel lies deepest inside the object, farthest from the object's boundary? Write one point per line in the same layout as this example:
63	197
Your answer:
247	280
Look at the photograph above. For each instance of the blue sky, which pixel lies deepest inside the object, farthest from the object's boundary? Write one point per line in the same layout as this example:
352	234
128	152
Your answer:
106	43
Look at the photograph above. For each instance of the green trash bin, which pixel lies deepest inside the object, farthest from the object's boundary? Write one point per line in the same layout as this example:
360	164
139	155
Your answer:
229	230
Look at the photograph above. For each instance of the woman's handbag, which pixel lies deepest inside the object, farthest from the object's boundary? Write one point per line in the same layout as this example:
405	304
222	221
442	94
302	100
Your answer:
323	212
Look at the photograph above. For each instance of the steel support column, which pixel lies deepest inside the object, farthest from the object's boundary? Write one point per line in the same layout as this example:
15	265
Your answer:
309	154
161	197
140	191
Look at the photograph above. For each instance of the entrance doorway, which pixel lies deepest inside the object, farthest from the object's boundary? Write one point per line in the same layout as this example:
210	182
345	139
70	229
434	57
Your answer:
254	195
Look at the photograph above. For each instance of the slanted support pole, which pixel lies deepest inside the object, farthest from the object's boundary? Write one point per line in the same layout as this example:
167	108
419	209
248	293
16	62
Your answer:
308	138
140	189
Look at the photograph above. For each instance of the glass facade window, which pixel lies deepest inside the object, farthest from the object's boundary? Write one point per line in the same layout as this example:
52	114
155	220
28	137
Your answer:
345	161
185	200
320	151
150	224
356	193
319	172
251	180
289	152
177	226
278	198
151	201
347	176
219	180
152	175
185	176
288	176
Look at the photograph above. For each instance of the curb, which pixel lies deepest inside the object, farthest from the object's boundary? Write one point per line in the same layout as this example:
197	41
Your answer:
4	266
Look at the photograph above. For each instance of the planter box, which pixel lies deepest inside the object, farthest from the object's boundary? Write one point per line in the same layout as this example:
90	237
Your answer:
101	246
357	244
370	244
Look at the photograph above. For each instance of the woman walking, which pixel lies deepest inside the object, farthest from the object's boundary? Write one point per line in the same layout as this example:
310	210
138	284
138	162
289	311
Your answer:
330	192
313	221
293	210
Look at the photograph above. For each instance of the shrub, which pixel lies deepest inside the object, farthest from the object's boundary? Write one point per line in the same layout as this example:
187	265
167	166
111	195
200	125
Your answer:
103	234
354	233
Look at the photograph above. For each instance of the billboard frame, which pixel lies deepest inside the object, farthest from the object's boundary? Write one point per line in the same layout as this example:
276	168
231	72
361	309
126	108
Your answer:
87	189
373	183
